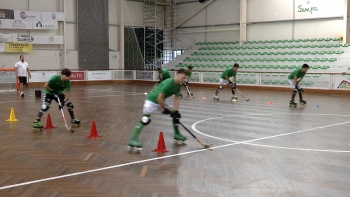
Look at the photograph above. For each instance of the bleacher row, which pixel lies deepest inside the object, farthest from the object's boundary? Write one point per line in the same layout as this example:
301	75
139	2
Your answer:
261	59
268	53
273	41
203	66
314	46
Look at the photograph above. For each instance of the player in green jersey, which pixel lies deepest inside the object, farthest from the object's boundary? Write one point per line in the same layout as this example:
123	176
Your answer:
225	79
156	101
53	91
294	80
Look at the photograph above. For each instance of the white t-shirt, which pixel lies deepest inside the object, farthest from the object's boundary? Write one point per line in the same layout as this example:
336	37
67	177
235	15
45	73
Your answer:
22	68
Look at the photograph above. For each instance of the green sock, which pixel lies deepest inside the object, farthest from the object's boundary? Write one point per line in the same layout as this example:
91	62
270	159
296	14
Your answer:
137	130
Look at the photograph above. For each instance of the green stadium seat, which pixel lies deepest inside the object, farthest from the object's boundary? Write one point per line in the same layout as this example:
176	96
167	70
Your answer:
306	40
325	67
321	46
305	46
298	52
269	66
330	52
284	82
261	66
332	59
284	53
339	52
292	66
254	66
284	66
324	60
320	40
306	52
291	53
314	52
276	66
315	59
346	45
307	59
291	60
322	52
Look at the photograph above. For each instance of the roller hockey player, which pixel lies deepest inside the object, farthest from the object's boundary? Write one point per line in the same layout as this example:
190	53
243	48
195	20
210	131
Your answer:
294	80
225	79
53	91
156	101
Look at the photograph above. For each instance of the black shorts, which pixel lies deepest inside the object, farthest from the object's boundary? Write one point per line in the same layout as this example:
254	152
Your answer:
22	80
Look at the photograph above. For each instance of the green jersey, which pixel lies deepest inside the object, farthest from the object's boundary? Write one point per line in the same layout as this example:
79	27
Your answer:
188	73
229	73
167	88
297	73
57	85
165	74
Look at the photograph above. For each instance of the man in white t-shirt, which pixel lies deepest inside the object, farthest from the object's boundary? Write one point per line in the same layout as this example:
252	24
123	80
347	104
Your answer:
21	70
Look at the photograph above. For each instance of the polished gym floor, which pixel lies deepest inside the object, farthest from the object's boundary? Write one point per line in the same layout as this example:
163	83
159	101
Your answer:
261	147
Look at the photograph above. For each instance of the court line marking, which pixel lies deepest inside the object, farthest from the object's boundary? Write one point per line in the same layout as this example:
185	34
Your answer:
278	147
164	157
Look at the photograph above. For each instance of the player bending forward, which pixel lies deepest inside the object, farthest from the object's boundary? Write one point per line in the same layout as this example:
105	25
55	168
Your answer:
156	101
53	91
225	79
294	80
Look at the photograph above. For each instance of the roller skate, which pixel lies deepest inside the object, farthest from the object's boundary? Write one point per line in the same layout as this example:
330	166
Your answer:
75	122
302	102
37	125
234	98
134	145
178	138
22	94
292	103
216	98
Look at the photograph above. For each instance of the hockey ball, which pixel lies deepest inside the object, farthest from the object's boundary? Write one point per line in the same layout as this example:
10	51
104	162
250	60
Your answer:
145	93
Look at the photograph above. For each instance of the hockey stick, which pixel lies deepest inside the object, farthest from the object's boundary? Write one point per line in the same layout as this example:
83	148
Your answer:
242	94
205	145
69	128
188	91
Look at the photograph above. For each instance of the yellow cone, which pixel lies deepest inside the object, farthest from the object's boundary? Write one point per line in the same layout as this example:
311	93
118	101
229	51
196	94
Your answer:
12	116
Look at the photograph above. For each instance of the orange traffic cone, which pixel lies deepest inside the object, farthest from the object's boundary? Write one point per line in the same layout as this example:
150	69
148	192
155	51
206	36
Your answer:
12	117
49	123
161	144
93	131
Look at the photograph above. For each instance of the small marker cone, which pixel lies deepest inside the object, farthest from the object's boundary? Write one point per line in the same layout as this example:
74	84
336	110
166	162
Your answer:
12	117
161	145
93	131
49	123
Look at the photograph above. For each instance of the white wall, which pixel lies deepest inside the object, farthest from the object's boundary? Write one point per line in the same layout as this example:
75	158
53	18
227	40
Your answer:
223	12
323	25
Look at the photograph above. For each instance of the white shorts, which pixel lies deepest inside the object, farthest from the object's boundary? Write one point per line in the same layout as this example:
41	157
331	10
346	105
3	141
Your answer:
291	83
149	107
223	81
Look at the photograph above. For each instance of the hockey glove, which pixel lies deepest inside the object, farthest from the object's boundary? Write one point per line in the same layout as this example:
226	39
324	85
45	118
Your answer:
176	116
166	111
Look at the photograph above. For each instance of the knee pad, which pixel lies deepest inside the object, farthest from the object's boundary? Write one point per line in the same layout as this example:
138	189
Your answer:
301	90
70	105
145	120
220	87
295	91
45	107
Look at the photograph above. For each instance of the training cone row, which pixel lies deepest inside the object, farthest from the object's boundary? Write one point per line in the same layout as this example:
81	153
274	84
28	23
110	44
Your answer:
161	145
12	117
93	131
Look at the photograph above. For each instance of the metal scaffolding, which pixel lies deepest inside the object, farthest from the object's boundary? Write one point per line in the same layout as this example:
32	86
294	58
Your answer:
159	32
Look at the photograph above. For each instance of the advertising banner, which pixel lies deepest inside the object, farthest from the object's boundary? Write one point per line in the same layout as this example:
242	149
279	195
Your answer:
99	75
45	25
25	38
41	76
18	47
17	24
50	40
53	16
5	37
77	76
318	9
2	47
6	14
26	15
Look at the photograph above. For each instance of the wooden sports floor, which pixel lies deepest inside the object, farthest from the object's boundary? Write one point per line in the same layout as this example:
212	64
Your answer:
261	147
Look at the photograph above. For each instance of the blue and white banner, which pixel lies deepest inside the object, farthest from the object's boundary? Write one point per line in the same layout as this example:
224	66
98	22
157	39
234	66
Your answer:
45	24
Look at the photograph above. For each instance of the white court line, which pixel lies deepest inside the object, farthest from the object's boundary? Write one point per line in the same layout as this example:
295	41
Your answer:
278	147
163	157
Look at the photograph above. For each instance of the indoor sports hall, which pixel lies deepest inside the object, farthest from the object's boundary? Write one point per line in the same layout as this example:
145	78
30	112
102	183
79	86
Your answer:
249	142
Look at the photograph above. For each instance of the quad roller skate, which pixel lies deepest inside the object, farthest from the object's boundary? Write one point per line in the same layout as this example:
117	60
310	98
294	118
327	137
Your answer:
37	126
216	98
134	145
75	122
292	104
179	139
234	98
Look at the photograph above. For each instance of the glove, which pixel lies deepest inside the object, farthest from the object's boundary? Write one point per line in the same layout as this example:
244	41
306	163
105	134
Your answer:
60	106
176	116
166	111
